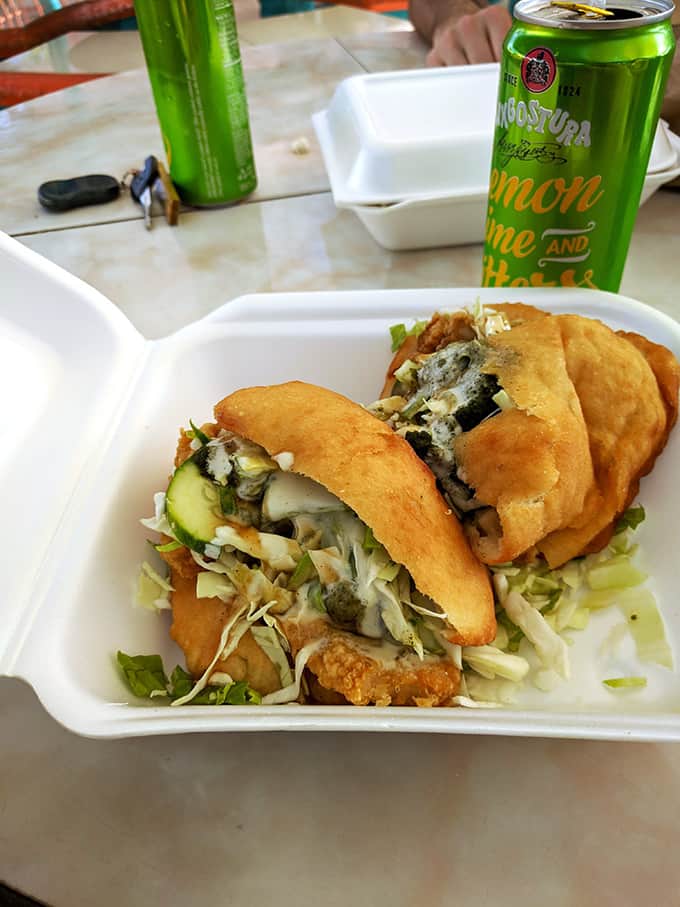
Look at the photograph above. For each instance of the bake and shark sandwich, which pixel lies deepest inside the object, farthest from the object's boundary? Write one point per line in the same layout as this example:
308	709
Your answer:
304	537
538	427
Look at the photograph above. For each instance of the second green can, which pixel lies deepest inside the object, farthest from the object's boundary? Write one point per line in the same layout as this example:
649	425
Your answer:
578	103
194	63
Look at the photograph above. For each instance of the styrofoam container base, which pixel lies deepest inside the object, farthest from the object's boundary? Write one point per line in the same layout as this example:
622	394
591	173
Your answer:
456	220
410	153
94	412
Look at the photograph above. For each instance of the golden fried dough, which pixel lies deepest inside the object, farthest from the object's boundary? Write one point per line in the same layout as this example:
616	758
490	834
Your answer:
359	459
620	395
531	463
344	665
628	391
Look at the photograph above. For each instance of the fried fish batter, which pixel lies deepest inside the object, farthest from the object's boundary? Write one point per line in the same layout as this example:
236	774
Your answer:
344	664
374	472
197	625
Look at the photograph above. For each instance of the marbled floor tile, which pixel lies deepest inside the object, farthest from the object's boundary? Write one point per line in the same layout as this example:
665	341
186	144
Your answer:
169	277
327	22
300	820
109	125
77	52
382	53
652	272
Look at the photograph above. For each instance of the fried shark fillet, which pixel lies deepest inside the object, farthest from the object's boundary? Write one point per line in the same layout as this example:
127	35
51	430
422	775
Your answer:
355	670
197	623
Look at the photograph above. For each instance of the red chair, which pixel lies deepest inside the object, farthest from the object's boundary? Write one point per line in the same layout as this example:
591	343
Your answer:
24	25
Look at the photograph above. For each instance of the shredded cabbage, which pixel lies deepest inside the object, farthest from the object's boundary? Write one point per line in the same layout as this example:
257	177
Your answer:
159	521
280	552
214	585
617	683
646	626
292	691
268	640
550	648
490	662
536	605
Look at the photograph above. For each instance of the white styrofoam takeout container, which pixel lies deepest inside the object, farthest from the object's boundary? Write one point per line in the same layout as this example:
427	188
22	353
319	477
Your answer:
91	413
410	153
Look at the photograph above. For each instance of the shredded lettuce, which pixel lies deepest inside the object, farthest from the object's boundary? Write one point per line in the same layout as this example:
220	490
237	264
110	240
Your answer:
631	519
399	333
370	543
550	648
503	400
490	662
619	683
303	573
646	626
214	585
144	674
268	640
149	594
197	434
153	591
280	552
537	605
616	573
292	691
168	546
159	521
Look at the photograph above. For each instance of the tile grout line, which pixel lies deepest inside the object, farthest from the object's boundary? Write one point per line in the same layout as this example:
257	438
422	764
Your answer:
124	220
349	53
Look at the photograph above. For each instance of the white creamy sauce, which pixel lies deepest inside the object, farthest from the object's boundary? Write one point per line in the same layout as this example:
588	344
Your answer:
218	463
285	459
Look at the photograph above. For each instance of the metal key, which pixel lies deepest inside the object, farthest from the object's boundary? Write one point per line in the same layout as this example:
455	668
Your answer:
145	201
140	187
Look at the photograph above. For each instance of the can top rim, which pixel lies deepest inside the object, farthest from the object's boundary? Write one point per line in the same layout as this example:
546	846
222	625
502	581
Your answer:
656	11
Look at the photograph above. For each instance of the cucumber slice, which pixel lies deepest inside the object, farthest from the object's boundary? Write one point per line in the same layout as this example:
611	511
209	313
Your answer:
192	505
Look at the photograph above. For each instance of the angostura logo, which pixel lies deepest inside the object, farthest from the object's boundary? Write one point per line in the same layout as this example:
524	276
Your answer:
539	69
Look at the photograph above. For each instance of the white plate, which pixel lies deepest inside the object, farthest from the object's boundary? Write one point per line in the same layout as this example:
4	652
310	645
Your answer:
94	414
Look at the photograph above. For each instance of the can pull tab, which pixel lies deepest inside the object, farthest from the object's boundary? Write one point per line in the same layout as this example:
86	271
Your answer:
596	8
62	195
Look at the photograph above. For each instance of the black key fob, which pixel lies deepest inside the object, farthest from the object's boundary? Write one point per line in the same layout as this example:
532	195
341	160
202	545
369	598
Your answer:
62	195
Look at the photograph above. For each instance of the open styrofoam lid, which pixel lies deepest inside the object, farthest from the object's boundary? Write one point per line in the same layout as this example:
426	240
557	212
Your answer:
416	134
61	367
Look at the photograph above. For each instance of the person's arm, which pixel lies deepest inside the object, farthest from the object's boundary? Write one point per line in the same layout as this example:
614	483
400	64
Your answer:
460	31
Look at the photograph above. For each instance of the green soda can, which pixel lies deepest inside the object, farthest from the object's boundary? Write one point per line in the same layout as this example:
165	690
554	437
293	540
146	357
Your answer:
578	103
194	63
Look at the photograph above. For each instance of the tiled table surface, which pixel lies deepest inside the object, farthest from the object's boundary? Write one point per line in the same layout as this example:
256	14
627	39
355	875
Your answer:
307	819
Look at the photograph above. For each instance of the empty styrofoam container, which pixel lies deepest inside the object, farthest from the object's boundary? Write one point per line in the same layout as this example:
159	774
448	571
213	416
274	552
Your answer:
410	153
